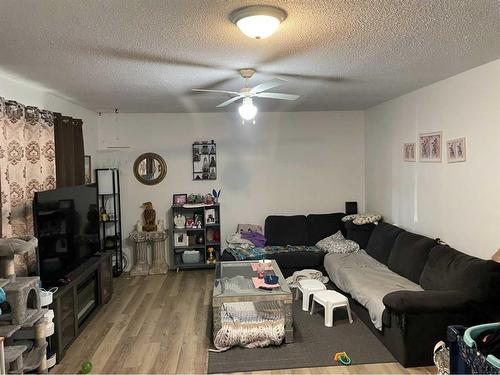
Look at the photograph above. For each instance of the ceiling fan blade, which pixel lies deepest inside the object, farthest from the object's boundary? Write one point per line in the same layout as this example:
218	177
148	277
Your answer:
218	91
268	85
276	95
229	101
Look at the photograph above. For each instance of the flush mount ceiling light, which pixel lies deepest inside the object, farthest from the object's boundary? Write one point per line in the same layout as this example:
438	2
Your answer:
258	21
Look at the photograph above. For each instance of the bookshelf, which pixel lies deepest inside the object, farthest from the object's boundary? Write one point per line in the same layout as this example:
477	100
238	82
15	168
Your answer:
110	236
198	239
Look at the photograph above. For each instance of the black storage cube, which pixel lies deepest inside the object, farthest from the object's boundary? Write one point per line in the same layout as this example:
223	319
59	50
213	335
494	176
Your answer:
359	233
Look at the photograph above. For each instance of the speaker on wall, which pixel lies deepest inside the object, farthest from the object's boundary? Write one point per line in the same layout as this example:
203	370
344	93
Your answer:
351	208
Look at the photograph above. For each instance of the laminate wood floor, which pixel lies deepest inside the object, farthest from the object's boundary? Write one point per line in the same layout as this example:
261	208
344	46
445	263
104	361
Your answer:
159	324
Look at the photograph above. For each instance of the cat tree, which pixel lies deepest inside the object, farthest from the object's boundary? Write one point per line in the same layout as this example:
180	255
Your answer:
22	311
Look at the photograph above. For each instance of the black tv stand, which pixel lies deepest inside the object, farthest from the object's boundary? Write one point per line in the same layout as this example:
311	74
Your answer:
89	287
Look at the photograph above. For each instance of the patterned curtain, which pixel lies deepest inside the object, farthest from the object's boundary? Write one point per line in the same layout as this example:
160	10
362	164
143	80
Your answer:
27	163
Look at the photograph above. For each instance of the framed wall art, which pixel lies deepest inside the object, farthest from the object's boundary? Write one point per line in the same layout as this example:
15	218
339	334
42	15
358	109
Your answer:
456	150
409	152
204	161
430	147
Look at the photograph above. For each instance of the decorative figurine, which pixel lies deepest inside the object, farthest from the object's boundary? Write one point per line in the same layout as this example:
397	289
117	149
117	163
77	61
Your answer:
209	199
179	221
211	258
138	226
197	221
160	225
104	215
149	217
216	195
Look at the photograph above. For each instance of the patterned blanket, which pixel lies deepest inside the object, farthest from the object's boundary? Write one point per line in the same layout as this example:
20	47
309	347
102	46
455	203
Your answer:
262	252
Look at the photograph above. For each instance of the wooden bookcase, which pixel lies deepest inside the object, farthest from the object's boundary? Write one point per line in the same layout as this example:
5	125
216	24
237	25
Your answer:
199	239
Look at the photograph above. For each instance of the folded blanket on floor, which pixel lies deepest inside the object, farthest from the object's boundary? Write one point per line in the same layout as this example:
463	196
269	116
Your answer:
305	275
250	325
262	252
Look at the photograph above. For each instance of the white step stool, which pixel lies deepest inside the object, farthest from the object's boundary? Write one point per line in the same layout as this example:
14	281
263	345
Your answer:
330	300
308	287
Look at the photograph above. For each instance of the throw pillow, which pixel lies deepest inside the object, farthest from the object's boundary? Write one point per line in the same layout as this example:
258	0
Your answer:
336	243
361	219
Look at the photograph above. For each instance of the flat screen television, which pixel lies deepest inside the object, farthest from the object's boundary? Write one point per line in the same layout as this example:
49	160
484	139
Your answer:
66	222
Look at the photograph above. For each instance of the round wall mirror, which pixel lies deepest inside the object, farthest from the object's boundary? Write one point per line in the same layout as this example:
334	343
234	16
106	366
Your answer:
150	168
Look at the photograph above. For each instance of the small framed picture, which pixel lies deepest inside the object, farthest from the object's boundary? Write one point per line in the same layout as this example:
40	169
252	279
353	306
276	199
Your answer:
181	239
430	147
210	216
88	169
180	199
409	153
456	150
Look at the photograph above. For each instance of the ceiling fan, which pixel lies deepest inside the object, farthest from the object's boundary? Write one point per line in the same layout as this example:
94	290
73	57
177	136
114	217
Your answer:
247	109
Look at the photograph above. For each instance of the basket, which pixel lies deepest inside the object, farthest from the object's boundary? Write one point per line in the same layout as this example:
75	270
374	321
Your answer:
464	356
191	257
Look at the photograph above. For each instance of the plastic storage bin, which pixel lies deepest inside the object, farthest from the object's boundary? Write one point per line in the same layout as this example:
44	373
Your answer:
191	257
464	356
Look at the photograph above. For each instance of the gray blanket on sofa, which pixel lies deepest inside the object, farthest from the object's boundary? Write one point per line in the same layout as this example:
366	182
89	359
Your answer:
366	280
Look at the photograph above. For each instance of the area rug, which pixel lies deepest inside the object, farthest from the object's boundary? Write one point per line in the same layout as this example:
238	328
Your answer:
314	346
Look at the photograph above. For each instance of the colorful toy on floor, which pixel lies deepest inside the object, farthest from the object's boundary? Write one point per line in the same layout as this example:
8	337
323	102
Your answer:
86	367
342	358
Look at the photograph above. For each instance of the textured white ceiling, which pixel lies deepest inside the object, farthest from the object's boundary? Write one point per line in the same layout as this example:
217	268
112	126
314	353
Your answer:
146	55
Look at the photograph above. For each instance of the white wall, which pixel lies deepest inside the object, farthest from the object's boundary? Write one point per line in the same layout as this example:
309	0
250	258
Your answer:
287	163
28	93
459	203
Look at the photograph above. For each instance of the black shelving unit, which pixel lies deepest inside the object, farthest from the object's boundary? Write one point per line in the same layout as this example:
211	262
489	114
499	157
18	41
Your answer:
110	231
192	233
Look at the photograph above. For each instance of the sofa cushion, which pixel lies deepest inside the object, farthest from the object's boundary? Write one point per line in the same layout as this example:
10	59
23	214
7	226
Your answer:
382	240
286	230
409	255
359	233
336	243
449	269
320	226
298	259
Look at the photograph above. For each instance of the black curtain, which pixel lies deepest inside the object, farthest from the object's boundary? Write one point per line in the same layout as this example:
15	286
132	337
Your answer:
70	163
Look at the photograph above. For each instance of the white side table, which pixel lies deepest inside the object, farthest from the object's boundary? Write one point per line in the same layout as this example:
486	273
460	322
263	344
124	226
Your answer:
330	300
307	288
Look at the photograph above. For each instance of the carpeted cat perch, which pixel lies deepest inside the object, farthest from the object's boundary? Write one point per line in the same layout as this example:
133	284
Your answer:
21	310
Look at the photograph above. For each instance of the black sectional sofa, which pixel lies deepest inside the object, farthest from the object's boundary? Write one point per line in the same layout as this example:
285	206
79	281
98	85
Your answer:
298	230
457	289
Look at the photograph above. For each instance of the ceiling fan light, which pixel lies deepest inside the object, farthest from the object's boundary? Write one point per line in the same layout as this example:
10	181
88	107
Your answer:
247	110
258	22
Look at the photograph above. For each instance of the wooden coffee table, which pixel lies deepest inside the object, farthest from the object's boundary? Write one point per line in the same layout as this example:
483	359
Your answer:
248	293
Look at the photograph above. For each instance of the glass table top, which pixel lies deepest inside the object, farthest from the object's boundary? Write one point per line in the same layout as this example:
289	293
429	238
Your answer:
235	279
